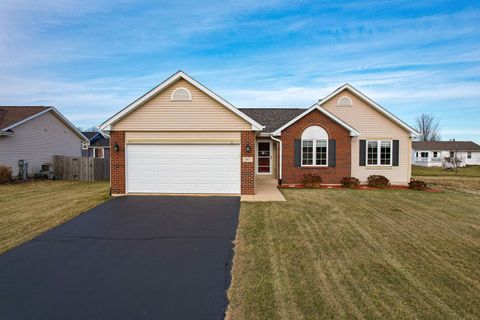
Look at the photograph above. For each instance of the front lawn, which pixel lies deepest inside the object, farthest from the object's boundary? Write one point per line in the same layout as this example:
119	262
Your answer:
387	254
27	210
468	171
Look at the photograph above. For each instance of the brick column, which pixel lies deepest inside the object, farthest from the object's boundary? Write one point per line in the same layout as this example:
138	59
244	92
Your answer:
117	162
248	168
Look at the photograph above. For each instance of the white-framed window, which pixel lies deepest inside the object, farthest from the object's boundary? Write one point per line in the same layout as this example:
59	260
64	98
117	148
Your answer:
435	154
379	152
344	102
314	151
181	94
424	154
469	155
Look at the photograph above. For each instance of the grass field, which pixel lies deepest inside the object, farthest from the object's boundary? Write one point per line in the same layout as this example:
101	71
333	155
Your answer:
467	179
26	210
469	171
353	254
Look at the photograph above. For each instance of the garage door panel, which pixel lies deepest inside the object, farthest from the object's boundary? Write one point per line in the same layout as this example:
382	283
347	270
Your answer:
183	169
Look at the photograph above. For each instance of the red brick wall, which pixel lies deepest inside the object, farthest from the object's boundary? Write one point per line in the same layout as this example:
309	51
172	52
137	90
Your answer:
117	162
248	168
330	175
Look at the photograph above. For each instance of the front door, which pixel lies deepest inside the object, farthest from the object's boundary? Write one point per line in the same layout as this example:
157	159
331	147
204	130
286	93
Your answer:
264	157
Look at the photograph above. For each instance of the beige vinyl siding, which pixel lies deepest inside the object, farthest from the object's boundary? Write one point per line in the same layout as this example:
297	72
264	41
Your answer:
37	141
201	114
373	125
183	137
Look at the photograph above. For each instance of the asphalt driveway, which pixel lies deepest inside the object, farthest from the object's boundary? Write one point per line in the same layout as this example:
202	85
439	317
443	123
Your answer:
129	258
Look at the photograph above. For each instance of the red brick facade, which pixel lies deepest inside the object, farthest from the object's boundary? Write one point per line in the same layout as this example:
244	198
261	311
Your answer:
248	168
330	175
117	162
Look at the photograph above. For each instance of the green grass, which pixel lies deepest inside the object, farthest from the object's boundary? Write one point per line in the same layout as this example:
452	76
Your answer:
27	210
468	171
355	254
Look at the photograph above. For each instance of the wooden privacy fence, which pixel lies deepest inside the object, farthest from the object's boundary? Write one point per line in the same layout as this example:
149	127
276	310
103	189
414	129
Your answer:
81	168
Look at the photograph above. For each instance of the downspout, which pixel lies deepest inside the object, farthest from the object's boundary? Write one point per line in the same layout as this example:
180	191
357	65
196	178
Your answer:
279	159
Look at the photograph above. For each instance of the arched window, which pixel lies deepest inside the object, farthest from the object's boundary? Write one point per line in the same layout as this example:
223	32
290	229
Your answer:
314	147
344	102
181	94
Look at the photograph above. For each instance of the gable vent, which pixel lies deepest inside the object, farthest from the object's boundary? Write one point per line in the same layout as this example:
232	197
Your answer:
344	102
181	94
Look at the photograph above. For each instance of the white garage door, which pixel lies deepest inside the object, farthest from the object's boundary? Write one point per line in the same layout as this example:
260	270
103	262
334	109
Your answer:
183	168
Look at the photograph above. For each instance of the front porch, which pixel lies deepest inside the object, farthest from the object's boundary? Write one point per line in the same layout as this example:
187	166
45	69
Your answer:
266	190
266	172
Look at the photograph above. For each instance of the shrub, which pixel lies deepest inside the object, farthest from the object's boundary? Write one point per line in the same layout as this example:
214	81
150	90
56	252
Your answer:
350	182
378	181
5	174
312	180
417	184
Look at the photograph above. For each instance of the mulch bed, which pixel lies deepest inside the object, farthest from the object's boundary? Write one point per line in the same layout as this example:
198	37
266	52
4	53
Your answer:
361	187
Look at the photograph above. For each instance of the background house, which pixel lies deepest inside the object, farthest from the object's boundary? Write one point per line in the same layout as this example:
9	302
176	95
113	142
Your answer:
36	134
99	145
436	153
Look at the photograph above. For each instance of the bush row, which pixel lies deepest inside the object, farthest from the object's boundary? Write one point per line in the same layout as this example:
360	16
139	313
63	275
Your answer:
375	181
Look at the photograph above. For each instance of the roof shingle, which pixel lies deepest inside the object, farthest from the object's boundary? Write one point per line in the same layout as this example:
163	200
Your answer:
272	118
10	115
446	145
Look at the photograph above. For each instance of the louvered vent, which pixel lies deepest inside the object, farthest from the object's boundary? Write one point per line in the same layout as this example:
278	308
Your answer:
344	102
181	94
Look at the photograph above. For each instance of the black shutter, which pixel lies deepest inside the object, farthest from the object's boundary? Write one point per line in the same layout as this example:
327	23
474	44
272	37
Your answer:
363	152
395	151
332	153
297	157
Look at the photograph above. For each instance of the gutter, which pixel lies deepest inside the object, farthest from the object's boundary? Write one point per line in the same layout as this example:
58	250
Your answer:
6	133
279	159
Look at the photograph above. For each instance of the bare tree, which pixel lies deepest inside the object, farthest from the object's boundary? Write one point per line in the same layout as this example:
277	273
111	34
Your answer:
454	161
88	129
428	127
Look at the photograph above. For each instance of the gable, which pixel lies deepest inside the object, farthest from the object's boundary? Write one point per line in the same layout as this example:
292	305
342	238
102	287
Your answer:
362	116
313	109
201	113
178	85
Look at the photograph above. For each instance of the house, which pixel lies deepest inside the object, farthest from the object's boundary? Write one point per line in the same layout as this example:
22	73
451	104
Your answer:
181	137
98	146
439	153
35	134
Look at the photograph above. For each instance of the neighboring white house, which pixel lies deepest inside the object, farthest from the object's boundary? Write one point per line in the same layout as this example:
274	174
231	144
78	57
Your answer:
36	134
439	153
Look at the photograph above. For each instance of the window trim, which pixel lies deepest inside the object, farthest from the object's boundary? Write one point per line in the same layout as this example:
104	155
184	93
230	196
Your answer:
314	154
181	100
379	155
469	154
95	150
349	99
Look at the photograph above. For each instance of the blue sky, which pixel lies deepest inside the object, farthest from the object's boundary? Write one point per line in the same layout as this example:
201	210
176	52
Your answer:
92	58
